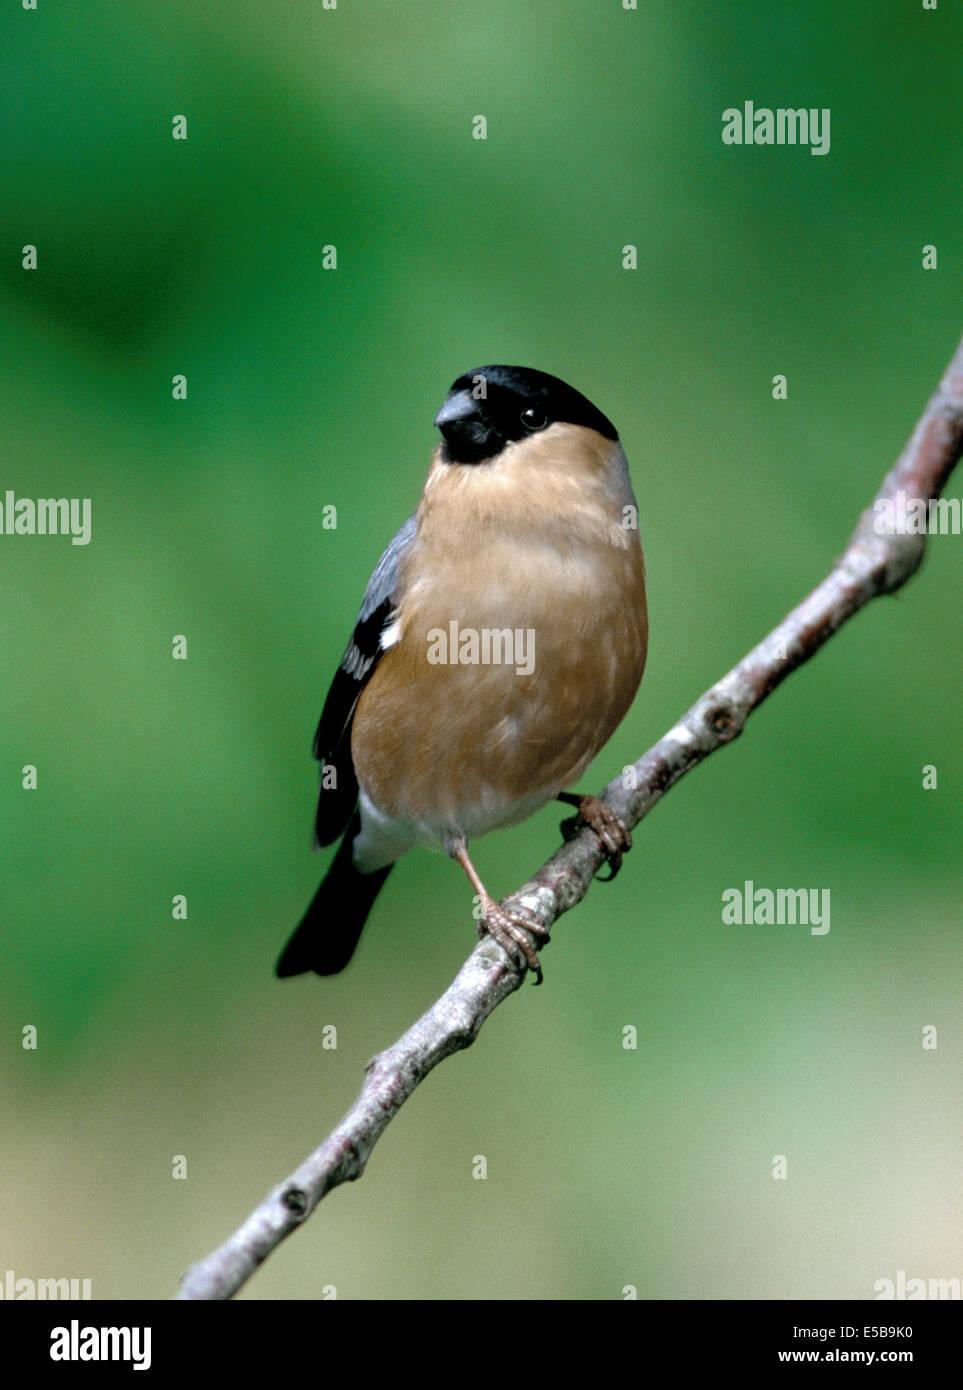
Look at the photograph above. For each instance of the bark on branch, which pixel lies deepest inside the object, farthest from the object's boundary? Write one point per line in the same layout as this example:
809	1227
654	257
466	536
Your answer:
872	564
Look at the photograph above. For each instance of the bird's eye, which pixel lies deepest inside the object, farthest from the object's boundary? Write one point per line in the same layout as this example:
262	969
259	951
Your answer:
534	419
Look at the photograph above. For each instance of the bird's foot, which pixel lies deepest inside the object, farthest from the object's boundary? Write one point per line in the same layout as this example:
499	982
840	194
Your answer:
514	930
613	834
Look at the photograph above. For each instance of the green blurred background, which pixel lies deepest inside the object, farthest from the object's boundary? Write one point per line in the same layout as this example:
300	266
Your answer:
309	387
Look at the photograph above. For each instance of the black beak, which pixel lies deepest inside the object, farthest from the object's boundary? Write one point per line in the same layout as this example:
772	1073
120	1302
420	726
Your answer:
468	437
460	406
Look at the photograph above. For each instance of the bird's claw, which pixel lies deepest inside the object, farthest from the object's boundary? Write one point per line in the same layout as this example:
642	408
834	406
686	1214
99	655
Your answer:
513	929
613	834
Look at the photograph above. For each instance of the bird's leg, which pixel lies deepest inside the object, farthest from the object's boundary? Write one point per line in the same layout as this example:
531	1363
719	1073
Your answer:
614	835
511	929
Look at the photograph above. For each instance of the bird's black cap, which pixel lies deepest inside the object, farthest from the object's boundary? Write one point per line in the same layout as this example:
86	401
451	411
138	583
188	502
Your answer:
490	406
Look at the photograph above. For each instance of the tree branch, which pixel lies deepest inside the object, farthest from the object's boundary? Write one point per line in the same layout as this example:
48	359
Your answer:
872	564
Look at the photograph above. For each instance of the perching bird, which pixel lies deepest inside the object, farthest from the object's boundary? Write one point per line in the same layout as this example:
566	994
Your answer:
501	639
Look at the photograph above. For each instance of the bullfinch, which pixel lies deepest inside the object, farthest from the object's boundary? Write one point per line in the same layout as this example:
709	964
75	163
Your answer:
501	639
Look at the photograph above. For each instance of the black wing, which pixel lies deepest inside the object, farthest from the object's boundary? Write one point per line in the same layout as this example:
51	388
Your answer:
332	742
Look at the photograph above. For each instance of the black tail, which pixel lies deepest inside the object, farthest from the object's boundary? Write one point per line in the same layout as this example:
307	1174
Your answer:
329	930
